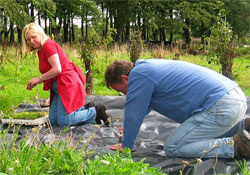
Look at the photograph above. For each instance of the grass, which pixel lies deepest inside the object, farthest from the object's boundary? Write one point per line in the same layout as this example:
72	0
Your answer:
16	70
32	156
243	167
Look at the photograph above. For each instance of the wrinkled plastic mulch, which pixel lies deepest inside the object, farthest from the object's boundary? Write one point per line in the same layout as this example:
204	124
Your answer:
154	131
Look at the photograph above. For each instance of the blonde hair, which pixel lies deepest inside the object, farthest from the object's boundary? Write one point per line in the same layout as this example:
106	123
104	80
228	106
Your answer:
34	28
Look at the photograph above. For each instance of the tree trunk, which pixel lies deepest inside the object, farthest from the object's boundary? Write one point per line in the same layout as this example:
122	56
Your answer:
107	23
226	61
82	30
127	32
19	35
104	21
111	19
1	33
65	30
32	14
5	35
202	31
89	77
171	36
119	21
72	29
171	33
12	38
39	18
45	24
155	35
86	27
69	28
187	33
162	34
143	35
55	30
227	70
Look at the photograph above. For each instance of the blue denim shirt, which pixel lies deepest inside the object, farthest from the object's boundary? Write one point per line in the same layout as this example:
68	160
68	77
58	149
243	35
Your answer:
176	89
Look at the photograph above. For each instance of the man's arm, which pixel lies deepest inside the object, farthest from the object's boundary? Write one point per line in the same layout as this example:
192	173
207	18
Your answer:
140	90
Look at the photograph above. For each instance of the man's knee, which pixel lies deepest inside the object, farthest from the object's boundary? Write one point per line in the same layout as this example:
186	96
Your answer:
170	149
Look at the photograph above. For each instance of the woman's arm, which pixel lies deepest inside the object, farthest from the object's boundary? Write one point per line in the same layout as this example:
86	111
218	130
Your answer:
55	69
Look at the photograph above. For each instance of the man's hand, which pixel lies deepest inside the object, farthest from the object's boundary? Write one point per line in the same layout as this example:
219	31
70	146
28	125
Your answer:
116	147
120	132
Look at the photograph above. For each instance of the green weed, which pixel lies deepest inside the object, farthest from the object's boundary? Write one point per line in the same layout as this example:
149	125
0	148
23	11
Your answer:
30	156
119	163
243	167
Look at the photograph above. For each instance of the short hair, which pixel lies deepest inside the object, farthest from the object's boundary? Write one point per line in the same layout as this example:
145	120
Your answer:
34	28
115	70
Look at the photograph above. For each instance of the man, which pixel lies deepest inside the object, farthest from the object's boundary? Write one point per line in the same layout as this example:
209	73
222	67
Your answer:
209	106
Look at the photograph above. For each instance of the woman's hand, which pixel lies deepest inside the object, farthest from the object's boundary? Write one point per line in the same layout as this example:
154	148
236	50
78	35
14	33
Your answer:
33	82
53	72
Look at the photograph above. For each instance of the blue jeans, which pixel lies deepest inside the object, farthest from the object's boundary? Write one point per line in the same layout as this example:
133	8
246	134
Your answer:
58	115
209	133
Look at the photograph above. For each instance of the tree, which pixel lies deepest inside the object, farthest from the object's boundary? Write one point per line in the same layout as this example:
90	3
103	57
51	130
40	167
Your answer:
91	16
195	12
88	55
238	15
136	46
221	46
46	9
11	12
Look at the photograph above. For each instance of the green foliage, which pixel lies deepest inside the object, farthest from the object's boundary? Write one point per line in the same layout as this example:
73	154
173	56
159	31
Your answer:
220	45
15	72
29	156
245	170
108	39
221	35
88	53
243	51
26	115
119	163
238	15
43	158
46	7
136	47
13	11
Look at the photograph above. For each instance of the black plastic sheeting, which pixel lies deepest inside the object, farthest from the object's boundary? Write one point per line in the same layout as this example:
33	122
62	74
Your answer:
154	131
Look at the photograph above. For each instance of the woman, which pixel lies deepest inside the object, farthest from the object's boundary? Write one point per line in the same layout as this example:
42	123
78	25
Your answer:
63	78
